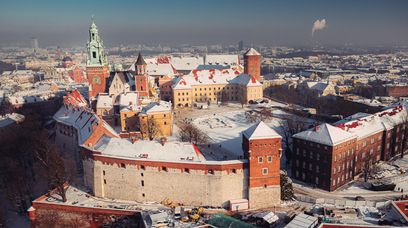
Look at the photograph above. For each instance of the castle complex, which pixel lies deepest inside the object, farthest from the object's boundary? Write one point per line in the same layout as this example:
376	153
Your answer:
135	165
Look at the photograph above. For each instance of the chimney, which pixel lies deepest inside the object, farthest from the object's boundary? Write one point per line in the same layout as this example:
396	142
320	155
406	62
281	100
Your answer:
163	140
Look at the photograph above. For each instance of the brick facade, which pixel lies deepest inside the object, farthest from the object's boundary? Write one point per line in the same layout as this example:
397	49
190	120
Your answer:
97	76
252	65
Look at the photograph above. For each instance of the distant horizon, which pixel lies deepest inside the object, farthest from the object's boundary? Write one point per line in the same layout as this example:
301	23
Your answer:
291	23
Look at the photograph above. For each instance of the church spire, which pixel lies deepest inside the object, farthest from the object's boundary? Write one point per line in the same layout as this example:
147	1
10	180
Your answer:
96	53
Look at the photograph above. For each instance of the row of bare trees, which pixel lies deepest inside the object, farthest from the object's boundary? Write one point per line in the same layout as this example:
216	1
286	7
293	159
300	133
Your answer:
30	160
190	133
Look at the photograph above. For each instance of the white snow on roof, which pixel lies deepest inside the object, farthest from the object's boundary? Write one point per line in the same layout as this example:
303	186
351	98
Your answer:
80	119
174	151
153	107
214	77
393	116
260	131
318	86
225	60
83	120
127	99
186	63
246	80
154	68
9	119
252	51
104	101
325	134
363	127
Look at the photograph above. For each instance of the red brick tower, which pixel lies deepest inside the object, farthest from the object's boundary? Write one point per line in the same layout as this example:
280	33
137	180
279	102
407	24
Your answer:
262	148
141	77
252	63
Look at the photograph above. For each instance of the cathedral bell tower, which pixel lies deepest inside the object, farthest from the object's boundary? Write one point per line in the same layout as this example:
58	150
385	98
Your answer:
97	67
141	77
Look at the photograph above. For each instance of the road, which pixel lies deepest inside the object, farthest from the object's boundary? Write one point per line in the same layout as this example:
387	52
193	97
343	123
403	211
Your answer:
370	196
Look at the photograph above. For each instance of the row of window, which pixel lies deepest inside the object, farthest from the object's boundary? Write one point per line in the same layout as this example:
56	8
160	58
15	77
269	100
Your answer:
261	159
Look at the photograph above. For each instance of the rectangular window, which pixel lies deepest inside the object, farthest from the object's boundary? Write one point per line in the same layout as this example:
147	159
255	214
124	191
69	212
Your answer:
260	159
269	159
142	183
264	171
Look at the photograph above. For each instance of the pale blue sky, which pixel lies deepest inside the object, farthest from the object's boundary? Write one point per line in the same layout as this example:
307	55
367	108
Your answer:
285	22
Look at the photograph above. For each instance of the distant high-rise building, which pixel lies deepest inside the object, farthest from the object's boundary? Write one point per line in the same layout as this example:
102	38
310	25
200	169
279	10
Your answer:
241	45
34	43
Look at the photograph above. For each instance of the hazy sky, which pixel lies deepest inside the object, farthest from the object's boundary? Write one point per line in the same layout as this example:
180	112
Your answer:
286	22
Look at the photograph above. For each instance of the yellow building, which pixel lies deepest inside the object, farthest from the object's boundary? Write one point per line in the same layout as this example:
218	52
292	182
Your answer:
156	120
215	86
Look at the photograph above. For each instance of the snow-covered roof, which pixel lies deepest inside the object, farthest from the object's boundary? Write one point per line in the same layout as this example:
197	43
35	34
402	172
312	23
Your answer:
363	127
318	86
252	51
393	116
157	68
173	151
79	118
11	118
246	80
153	107
230	60
186	63
325	134
214	77
126	99
83	120
104	101
260	131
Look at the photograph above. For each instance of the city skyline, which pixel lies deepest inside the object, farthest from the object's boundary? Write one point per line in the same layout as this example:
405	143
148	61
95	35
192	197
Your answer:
209	22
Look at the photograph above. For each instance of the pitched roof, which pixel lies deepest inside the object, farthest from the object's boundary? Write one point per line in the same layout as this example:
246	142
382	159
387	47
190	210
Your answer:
260	131
325	134
140	60
246	80
252	51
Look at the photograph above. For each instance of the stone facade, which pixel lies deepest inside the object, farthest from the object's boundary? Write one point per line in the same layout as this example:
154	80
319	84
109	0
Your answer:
198	185
262	197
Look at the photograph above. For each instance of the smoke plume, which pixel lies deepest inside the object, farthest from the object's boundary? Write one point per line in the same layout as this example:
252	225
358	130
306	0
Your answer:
318	25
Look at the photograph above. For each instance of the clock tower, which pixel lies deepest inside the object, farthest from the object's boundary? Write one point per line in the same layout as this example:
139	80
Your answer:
97	67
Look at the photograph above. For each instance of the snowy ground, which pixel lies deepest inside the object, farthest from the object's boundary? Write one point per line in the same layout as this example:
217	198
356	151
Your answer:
225	124
225	129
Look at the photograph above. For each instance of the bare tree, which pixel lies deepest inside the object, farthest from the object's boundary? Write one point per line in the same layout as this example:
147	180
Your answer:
367	169
289	127
265	114
151	128
53	166
251	116
190	133
6	107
